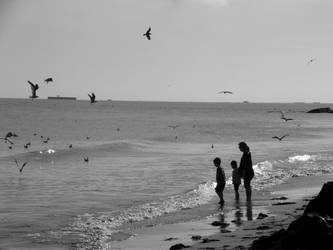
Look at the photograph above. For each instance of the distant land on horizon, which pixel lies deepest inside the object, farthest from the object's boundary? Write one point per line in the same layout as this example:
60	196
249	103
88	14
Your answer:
114	100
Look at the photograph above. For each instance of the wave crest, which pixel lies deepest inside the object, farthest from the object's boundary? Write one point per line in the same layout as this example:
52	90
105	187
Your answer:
301	158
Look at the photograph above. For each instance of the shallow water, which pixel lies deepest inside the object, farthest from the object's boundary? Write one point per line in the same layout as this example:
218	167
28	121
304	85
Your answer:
140	170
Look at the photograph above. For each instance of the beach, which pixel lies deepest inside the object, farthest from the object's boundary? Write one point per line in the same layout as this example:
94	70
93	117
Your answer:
282	204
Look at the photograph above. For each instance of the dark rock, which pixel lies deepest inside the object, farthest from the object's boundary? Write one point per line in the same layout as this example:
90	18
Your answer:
178	246
321	110
322	204
261	216
279	198
223	231
219	224
313	230
283	203
309	232
170	239
206	240
196	237
263	227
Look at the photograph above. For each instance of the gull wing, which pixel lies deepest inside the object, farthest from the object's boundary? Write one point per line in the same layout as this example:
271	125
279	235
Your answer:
23	166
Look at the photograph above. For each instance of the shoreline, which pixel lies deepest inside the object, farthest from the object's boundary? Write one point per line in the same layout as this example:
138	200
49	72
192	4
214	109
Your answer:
239	224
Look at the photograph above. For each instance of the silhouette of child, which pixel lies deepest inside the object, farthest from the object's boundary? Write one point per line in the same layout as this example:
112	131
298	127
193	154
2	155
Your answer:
220	179
236	180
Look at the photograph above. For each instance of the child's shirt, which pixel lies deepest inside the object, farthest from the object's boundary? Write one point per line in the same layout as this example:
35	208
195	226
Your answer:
235	177
220	176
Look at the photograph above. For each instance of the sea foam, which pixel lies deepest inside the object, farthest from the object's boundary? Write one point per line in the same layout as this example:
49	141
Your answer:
302	158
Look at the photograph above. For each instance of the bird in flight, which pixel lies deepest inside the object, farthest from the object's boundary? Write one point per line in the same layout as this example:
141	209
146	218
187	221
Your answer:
86	159
283	117
92	98
34	88
148	34
225	92
311	60
174	126
286	119
6	140
47	80
279	138
9	135
23	165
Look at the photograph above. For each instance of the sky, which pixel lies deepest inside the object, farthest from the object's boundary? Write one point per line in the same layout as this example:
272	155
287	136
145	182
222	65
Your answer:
258	49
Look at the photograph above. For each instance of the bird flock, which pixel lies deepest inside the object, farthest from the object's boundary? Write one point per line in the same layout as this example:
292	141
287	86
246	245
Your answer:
286	119
92	96
9	139
34	87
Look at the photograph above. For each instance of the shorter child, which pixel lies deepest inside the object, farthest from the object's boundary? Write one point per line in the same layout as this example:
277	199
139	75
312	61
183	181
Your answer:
236	180
220	179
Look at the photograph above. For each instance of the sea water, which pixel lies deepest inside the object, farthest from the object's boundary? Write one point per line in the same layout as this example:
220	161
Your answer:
149	163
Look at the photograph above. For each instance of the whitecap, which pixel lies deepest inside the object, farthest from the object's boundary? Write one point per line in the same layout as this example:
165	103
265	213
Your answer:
301	158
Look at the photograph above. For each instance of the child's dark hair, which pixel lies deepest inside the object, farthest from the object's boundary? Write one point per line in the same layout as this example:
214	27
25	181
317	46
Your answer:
217	161
233	164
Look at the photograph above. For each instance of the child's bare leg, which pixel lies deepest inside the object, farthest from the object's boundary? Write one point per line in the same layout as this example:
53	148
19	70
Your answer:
236	192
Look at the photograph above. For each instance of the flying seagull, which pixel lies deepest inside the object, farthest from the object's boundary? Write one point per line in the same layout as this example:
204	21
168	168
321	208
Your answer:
283	117
6	140
311	60
148	33
11	134
92	98
23	165
279	138
225	92
174	126
34	88
286	119
47	80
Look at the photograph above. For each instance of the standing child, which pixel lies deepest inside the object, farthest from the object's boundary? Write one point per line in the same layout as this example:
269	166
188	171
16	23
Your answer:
220	179
236	180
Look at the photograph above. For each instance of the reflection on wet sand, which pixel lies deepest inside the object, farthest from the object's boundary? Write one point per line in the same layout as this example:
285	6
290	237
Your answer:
230	220
238	213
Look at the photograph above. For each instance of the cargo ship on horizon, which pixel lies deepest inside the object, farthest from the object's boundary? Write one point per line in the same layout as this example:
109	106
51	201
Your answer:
61	98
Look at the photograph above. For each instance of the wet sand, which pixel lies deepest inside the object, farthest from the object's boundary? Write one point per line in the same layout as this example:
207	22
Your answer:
237	225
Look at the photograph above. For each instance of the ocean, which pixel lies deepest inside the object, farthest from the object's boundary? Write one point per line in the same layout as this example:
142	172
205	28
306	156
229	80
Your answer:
149	163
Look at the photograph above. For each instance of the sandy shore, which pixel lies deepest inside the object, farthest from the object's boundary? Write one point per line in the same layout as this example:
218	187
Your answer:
237	223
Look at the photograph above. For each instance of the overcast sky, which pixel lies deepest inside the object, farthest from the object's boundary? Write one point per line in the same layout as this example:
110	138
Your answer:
259	49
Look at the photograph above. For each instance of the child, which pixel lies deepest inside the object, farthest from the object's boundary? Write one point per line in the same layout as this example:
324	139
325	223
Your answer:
220	179
236	180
